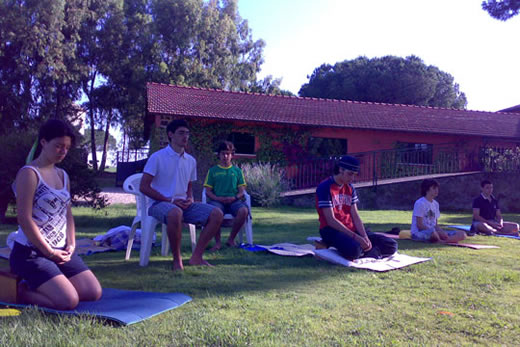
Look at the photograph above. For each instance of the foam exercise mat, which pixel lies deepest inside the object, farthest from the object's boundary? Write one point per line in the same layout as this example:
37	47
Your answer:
83	247
468	228
455	244
124	306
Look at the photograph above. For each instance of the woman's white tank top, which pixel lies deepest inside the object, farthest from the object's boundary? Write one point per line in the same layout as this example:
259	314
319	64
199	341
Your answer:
49	212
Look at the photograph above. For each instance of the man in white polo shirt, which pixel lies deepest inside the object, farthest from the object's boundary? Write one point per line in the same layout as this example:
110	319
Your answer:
167	181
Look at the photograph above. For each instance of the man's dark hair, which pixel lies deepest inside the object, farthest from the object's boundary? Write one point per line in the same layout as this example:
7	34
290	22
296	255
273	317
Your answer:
484	183
174	125
427	184
225	146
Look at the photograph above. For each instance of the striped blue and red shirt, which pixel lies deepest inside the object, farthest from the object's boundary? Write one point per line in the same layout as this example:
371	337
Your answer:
339	198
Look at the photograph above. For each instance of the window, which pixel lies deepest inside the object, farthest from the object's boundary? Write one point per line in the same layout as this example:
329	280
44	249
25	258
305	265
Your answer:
327	147
244	143
415	153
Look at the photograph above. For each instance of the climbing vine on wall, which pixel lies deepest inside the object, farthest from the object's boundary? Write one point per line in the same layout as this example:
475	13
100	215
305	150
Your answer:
276	145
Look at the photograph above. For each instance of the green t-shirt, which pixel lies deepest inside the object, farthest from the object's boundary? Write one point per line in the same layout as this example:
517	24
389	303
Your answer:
224	181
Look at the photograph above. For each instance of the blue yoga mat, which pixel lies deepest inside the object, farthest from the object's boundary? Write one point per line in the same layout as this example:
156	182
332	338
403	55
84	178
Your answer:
124	306
460	227
253	248
468	228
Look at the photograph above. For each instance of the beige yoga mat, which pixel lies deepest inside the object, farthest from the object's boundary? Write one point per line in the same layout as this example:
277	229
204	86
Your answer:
460	244
83	247
394	262
289	249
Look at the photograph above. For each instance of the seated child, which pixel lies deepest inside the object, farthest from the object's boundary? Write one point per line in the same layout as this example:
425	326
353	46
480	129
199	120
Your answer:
487	218
225	187
425	215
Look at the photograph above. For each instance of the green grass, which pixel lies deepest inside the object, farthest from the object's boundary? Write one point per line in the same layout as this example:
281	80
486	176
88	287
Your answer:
264	299
106	179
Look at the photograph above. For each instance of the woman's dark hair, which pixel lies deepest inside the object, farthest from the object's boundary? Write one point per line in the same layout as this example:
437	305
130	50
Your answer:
426	184
54	128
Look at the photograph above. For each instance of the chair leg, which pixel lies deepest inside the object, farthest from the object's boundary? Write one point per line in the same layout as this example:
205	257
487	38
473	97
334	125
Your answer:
130	241
249	230
165	241
193	236
241	234
146	240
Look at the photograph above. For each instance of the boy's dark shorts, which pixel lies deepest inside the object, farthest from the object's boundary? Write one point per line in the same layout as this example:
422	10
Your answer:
228	208
36	269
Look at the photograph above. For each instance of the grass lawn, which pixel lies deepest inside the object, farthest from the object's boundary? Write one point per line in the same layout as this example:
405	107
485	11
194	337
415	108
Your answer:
461	297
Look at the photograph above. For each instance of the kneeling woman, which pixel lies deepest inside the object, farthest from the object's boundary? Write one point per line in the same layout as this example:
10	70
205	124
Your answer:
43	252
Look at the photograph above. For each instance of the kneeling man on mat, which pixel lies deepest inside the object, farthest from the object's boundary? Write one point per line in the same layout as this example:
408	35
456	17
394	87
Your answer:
340	224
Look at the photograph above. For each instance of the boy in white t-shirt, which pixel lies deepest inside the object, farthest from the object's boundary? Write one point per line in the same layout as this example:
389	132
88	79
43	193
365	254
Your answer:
425	215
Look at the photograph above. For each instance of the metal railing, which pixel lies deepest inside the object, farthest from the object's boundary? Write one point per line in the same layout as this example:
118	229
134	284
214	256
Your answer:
387	164
132	155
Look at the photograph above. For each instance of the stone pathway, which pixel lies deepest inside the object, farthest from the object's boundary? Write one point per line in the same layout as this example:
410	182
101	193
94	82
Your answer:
117	195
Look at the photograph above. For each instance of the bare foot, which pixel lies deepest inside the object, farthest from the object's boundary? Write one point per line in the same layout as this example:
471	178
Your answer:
320	245
178	267
200	262
216	247
231	243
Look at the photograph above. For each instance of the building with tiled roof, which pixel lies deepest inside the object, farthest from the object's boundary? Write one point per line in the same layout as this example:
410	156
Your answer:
365	126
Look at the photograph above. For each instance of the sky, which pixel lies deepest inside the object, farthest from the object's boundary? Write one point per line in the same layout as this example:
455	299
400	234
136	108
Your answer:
457	36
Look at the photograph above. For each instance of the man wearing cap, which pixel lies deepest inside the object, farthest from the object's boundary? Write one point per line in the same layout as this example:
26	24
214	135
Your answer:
340	224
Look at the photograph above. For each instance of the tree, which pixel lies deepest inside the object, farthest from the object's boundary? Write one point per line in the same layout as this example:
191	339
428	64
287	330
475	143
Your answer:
269	86
387	79
54	52
502	9
95	52
39	75
100	138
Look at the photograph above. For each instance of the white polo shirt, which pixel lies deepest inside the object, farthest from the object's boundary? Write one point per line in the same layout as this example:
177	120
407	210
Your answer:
171	172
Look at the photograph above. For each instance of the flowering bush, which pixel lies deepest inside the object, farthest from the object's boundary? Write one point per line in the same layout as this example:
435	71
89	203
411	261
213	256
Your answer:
500	160
265	182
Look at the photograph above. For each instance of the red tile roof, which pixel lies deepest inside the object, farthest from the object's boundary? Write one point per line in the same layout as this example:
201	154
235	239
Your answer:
208	103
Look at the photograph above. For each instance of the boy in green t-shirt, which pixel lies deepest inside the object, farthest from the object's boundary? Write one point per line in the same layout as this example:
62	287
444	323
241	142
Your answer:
225	186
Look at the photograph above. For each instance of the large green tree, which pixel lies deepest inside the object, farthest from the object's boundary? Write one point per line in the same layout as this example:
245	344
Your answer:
387	79
54	52
502	9
39	72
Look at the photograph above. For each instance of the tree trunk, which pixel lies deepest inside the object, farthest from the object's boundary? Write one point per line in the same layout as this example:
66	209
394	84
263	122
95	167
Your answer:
92	126
124	143
105	142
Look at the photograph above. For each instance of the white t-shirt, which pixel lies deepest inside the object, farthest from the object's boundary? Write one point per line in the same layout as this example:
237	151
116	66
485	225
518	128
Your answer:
429	211
171	172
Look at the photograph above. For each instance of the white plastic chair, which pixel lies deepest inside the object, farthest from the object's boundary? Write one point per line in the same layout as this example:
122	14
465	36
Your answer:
248	225
148	224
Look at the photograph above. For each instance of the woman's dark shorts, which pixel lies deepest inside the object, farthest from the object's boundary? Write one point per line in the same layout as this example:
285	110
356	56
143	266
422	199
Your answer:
36	269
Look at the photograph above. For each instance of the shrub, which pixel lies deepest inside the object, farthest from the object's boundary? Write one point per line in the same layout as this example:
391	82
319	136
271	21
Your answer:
265	182
501	159
15	147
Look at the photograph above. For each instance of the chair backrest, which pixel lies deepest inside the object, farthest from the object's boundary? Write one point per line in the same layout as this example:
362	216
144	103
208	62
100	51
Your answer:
204	199
131	185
